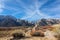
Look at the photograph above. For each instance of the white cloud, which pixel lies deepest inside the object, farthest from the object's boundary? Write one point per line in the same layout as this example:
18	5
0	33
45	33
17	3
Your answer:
1	5
1	8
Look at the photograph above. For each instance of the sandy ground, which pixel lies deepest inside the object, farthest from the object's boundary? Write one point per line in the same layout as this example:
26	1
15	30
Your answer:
5	38
32	38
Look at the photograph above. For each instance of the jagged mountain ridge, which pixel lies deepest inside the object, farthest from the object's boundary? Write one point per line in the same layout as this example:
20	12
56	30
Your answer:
11	21
44	22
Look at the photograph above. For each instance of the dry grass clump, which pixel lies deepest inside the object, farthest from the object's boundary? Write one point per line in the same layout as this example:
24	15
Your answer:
5	33
57	31
58	36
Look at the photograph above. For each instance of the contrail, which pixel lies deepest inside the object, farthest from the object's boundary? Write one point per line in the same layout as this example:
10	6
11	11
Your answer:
11	8
30	10
26	9
23	5
29	16
37	6
15	13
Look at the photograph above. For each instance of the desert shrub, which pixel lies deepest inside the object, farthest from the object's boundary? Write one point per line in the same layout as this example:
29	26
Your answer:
38	34
18	35
57	31
58	36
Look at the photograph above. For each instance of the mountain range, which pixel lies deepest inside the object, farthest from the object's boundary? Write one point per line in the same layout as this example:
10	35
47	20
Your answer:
11	21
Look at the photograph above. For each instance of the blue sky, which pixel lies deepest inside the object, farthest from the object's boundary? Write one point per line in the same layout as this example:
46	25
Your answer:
30	9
